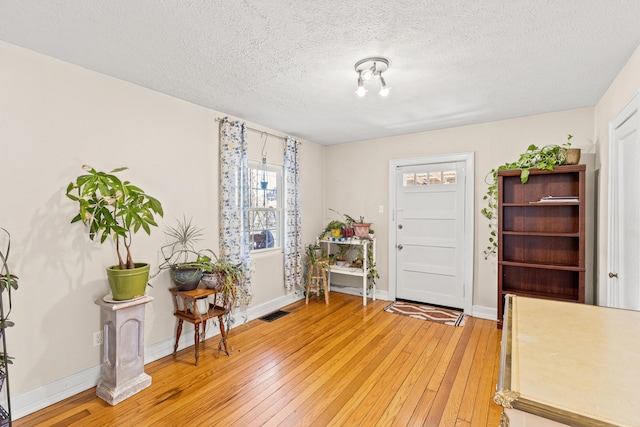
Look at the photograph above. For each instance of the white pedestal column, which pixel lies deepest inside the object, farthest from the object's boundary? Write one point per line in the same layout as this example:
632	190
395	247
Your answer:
123	356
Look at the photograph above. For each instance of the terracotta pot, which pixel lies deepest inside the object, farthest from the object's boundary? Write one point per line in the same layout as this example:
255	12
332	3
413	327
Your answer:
362	230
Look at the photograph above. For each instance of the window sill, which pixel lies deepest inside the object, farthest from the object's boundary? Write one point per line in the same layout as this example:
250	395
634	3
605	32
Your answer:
266	253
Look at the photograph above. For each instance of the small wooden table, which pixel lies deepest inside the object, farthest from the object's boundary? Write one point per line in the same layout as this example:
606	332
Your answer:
186	309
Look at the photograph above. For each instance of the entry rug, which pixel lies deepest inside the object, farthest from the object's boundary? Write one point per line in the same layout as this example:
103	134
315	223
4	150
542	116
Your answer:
427	312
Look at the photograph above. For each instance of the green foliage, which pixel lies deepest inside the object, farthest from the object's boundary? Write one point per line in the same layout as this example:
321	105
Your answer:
181	251
349	220
180	248
544	158
8	282
312	252
372	273
234	277
109	206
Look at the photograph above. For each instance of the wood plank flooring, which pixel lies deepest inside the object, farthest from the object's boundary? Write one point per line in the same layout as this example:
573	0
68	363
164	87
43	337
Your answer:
336	365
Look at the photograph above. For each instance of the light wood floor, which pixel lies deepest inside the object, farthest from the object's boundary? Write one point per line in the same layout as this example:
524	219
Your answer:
340	365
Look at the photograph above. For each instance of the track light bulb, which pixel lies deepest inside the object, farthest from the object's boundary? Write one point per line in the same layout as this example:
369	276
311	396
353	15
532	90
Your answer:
384	89
367	74
361	90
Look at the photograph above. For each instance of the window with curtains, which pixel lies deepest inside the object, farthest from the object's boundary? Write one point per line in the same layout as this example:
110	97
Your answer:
266	208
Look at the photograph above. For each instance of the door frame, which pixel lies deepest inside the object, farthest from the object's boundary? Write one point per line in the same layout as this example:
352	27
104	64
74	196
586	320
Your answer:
609	295
469	220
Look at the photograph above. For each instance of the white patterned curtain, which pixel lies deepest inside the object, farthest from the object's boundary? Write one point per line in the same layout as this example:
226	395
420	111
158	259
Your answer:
234	200
292	217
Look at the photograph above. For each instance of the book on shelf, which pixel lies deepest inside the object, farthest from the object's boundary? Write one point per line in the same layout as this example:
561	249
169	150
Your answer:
559	199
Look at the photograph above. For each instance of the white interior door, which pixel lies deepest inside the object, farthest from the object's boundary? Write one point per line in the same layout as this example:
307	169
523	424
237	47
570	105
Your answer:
623	287
430	230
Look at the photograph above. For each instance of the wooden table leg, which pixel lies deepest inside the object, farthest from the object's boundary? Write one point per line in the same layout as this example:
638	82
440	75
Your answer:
197	341
223	336
178	332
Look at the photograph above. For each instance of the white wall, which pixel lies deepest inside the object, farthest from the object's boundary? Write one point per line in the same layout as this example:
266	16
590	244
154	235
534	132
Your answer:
357	174
54	117
622	89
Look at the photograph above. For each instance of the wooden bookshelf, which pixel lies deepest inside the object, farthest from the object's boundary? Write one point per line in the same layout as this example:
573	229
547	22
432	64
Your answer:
541	243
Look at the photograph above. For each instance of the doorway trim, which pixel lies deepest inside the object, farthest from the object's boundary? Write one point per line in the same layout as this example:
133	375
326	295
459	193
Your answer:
469	209
609	296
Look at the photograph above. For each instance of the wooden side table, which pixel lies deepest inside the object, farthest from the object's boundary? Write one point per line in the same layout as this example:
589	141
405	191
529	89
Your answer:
186	309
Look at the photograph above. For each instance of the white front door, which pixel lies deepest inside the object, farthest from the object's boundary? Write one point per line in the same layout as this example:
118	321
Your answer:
430	233
623	287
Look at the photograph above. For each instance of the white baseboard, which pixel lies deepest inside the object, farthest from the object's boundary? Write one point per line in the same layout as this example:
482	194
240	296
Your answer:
41	397
487	313
352	290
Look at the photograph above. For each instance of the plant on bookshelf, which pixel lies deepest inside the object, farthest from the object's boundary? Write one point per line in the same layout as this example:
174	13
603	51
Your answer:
545	158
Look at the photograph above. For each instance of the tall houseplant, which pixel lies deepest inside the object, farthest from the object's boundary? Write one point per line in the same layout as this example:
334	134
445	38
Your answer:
110	207
544	158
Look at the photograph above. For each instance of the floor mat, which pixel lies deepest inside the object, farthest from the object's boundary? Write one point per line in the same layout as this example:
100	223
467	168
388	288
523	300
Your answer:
426	312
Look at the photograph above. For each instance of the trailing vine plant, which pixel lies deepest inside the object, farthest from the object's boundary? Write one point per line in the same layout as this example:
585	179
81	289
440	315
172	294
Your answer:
544	158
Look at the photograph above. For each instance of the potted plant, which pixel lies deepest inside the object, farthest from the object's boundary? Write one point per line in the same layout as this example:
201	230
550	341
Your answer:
333	229
545	158
341	257
8	282
361	228
184	262
224	276
358	226
110	207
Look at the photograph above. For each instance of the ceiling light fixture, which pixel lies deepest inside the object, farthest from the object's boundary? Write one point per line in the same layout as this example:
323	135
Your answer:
372	67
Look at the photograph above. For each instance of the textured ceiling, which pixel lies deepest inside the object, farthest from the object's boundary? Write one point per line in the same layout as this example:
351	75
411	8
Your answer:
288	65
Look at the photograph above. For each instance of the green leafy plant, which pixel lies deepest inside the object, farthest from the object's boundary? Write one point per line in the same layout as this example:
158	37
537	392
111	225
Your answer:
180	251
545	158
8	282
332	225
342	252
312	252
182	239
110	207
349	220
233	275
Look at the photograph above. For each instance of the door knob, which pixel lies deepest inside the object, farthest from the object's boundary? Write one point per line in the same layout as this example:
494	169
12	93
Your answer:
612	275
400	247
399	226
